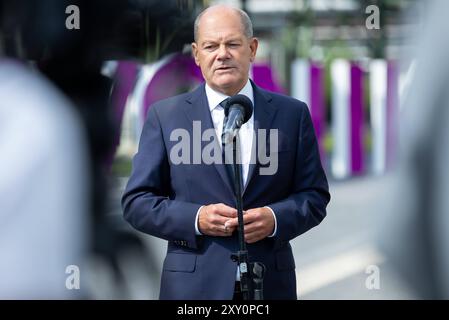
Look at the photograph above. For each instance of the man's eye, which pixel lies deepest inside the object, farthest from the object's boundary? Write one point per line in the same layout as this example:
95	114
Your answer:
233	45
209	47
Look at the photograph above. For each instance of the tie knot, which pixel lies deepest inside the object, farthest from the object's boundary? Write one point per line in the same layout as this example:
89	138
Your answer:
224	103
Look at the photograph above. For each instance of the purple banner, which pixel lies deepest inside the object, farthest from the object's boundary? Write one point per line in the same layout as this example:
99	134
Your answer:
357	133
317	108
124	81
178	76
264	77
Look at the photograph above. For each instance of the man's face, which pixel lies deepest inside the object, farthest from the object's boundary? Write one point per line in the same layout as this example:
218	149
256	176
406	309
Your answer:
223	52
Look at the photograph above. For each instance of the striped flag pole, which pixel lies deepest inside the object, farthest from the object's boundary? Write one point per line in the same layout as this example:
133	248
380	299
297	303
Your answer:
384	107
347	119
307	86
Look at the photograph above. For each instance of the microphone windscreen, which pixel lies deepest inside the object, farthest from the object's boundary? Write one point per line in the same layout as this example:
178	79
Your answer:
242	101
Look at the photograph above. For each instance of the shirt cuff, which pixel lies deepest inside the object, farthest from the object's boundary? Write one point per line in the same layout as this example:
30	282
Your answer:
275	223
197	230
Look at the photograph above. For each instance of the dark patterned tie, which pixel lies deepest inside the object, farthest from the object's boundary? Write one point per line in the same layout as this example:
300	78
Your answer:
228	164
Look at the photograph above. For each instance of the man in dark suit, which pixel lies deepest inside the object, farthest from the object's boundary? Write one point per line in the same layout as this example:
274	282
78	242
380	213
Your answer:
191	203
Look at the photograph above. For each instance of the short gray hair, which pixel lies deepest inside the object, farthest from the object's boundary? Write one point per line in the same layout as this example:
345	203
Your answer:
246	23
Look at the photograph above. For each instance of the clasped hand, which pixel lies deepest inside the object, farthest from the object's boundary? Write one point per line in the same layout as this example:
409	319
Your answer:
221	220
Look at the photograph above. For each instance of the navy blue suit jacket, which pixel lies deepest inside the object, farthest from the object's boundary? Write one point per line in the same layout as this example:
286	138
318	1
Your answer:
162	199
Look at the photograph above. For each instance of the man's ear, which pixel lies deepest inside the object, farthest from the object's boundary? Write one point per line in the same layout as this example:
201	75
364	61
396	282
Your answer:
195	53
253	45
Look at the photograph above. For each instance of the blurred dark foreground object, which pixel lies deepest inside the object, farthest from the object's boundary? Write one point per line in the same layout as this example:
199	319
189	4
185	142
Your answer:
35	31
108	30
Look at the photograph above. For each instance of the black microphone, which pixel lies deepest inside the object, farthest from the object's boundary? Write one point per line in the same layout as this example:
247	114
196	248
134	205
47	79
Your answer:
238	111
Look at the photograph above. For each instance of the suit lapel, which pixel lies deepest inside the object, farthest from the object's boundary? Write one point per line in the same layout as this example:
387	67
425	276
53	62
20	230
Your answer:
197	109
264	112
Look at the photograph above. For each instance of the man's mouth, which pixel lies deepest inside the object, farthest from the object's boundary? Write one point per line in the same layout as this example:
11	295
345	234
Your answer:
224	68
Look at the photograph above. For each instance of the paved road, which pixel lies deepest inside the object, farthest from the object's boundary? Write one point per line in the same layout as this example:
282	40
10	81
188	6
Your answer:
336	259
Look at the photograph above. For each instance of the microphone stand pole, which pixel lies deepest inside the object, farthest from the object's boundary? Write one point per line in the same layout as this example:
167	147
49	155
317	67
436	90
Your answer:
251	274
242	254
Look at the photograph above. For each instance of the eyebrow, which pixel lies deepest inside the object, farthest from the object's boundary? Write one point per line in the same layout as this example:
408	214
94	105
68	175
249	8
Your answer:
215	41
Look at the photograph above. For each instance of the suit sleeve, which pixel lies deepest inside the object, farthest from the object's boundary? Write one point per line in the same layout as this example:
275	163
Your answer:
146	201
306	206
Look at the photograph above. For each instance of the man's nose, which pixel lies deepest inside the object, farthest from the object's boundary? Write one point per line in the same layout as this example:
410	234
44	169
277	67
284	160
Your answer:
223	52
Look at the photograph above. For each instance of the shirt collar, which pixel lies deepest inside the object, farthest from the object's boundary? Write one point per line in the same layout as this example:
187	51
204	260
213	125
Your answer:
215	97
